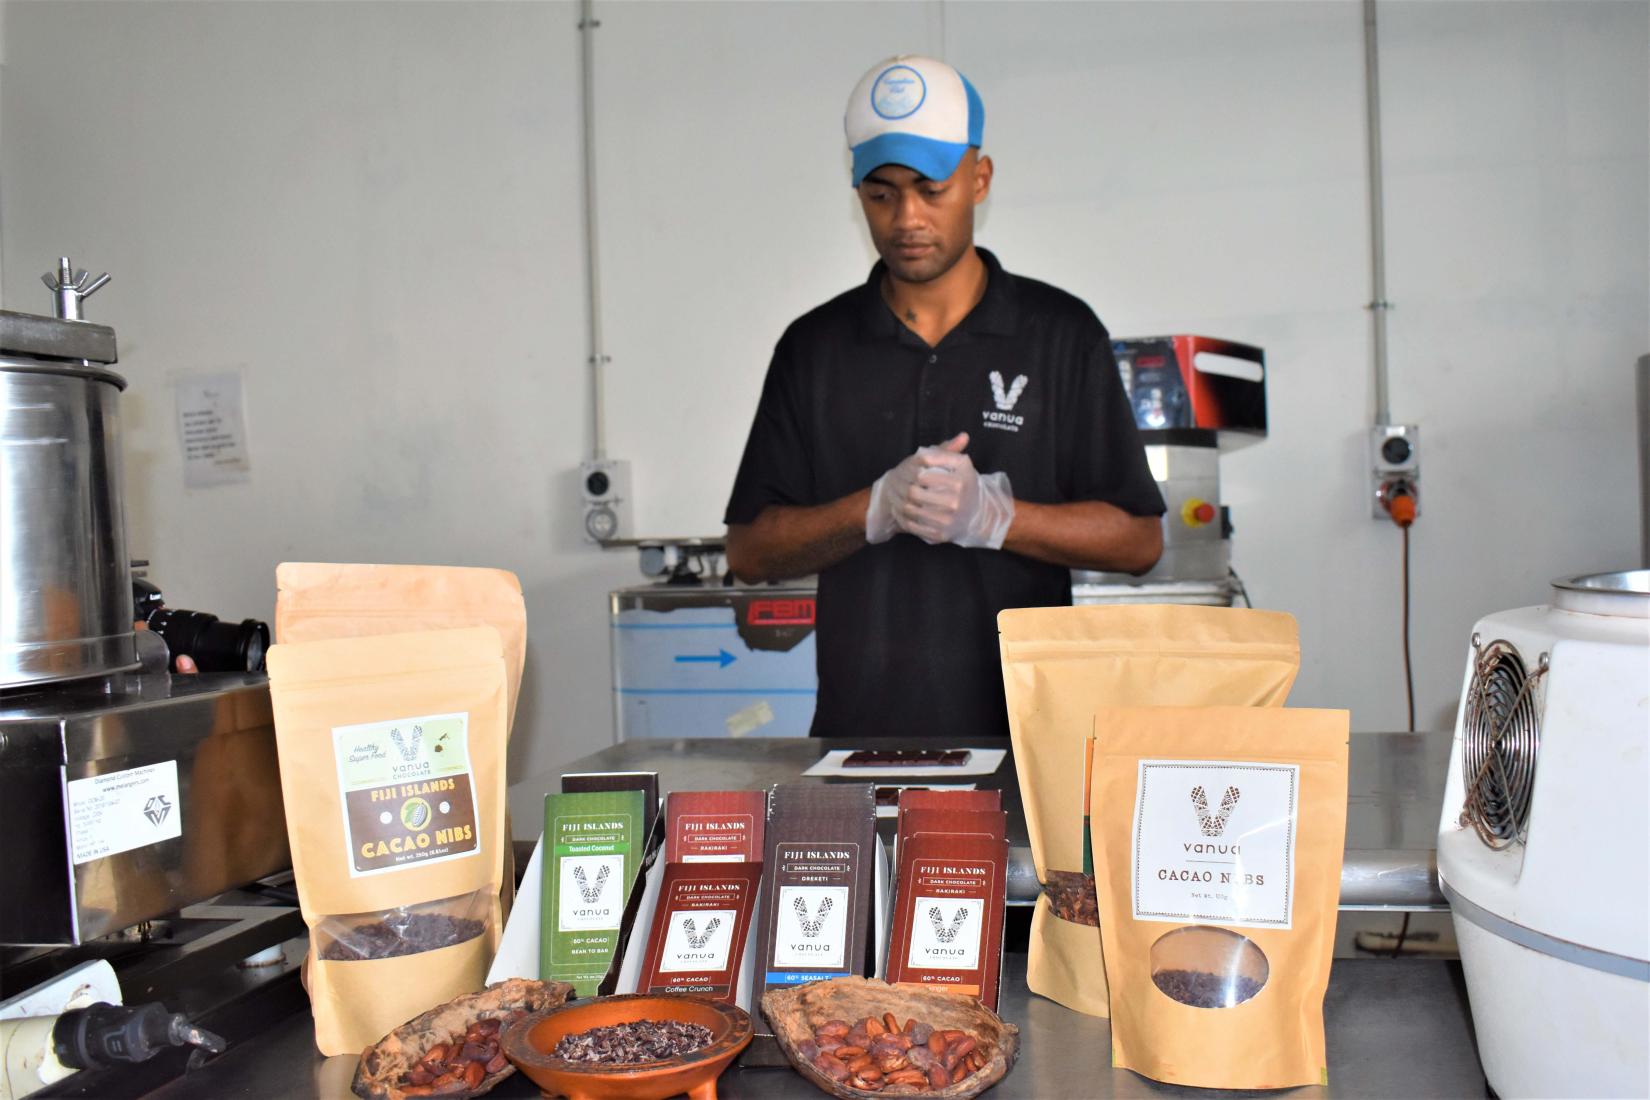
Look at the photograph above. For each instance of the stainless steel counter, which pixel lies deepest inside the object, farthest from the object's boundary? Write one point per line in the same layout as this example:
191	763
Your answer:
1396	1027
1395	785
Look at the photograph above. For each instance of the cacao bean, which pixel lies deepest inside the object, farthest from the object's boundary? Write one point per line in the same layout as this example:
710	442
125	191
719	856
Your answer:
965	1045
938	1078
936	1042
890	1022
497	1064
847	1052
921	1057
859	1063
873	1028
473	1073
909	1023
920	1032
888	1063
832	1027
832	1066
870	1073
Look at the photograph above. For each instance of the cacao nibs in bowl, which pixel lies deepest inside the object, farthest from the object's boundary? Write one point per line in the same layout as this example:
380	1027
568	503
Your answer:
632	1043
887	1054
459	1066
1201	989
411	935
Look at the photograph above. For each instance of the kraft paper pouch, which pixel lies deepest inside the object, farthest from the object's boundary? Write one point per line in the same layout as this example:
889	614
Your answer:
1218	838
1060	665
392	771
315	601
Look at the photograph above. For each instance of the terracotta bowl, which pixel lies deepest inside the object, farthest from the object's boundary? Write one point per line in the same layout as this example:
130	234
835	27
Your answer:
529	1041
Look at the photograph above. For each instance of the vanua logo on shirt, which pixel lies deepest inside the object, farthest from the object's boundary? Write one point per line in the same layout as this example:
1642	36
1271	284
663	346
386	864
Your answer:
1005	396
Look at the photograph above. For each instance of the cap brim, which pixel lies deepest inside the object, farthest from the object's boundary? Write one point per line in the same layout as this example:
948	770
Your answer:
934	159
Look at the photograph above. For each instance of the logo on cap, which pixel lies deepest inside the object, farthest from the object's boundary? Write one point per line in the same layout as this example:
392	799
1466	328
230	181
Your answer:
898	92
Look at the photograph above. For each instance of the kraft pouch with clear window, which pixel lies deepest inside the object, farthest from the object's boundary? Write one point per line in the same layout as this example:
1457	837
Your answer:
392	771
1060	664
316	601
1218	837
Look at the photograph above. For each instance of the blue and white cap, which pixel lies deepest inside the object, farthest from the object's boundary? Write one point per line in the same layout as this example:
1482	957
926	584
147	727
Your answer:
916	112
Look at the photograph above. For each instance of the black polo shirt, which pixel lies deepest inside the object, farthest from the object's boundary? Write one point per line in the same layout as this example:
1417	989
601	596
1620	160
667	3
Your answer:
907	632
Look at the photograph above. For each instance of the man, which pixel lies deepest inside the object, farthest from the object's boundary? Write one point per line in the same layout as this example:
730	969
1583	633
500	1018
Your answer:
1037	468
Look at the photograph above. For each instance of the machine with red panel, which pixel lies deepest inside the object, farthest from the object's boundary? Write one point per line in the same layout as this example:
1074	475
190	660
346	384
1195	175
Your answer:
1193	397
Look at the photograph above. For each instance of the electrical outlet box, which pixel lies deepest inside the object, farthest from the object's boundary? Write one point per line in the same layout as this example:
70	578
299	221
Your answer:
1395	466
604	485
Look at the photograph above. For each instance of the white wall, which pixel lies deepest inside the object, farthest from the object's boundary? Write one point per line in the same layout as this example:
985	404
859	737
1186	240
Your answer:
374	209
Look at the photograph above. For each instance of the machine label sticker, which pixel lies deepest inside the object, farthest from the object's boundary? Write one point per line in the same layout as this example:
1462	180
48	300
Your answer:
408	792
1215	841
120	811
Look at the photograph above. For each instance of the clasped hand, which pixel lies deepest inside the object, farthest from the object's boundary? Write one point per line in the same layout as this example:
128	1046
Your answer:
938	496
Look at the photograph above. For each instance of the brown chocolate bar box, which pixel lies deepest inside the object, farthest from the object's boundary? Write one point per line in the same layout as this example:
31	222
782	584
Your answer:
714	826
700	928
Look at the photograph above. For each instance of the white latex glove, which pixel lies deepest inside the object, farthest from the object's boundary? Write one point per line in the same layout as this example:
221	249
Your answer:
888	493
938	496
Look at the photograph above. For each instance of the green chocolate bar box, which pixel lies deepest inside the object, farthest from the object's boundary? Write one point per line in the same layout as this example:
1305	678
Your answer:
594	843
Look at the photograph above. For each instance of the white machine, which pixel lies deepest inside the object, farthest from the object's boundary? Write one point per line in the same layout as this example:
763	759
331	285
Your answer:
1541	846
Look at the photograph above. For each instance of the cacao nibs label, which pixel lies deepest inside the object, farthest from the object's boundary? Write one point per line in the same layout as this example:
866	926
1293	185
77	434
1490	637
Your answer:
1214	841
408	792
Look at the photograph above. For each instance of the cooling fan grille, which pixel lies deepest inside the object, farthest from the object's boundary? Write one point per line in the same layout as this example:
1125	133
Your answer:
1500	740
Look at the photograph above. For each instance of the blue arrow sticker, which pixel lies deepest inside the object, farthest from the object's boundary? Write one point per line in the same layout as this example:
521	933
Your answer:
723	658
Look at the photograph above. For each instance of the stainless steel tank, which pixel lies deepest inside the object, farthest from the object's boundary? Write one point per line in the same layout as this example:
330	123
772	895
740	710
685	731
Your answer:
65	580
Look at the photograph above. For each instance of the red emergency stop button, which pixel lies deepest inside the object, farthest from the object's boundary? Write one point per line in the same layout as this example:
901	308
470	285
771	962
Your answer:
1196	512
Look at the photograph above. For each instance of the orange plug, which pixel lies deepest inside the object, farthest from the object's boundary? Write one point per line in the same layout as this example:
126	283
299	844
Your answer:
1401	505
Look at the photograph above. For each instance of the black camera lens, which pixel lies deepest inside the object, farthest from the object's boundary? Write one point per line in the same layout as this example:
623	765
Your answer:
215	646
1396	450
597	484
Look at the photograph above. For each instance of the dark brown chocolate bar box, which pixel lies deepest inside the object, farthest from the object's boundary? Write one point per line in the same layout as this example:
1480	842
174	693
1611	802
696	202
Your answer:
699	929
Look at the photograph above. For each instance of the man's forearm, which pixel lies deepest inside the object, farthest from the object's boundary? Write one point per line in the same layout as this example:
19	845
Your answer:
1088	534
786	542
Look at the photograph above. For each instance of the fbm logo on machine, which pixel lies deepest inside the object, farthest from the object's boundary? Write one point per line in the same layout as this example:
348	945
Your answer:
799	612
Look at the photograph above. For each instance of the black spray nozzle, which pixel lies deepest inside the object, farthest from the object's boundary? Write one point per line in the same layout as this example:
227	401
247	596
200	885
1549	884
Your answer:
110	1035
